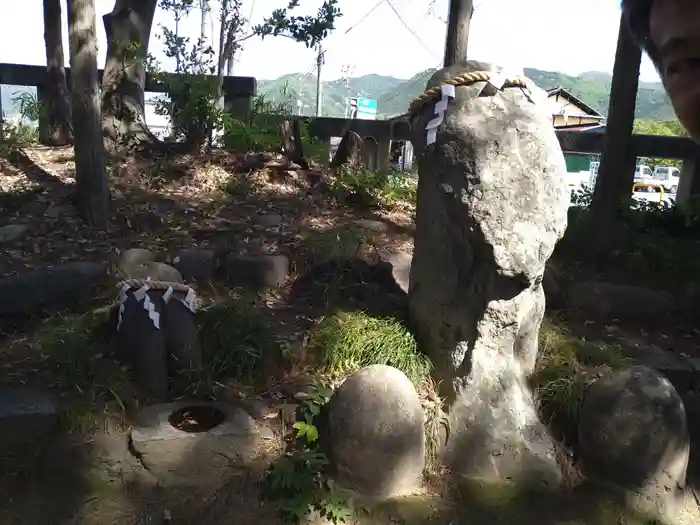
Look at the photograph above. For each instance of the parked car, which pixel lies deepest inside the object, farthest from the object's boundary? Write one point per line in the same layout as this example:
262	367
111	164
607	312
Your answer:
668	177
642	175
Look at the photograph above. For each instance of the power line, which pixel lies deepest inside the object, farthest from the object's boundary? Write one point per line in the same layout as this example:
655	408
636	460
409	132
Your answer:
408	28
364	17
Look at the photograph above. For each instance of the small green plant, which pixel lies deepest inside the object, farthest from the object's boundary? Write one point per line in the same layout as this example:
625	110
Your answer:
21	132
373	188
237	341
299	477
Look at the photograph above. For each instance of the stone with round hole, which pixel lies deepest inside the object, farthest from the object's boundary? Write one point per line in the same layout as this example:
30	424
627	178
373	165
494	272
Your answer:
190	442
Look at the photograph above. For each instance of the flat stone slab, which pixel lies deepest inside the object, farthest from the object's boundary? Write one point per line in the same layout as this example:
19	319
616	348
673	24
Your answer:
179	457
49	287
28	416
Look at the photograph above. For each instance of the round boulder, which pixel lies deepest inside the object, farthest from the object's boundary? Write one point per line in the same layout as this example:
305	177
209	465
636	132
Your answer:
633	432
375	437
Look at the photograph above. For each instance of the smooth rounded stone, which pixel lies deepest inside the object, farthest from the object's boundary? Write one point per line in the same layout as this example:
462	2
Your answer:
195	264
633	434
133	257
178	457
28	416
256	271
155	271
374	434
12	232
270	220
373	225
49	287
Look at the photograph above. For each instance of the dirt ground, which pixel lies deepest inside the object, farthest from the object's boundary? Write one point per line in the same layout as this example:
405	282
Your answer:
219	201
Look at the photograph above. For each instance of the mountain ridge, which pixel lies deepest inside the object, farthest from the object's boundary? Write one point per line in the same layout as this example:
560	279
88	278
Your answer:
393	94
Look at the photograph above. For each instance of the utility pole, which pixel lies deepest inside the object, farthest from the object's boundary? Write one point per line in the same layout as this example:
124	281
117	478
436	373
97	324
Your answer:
461	12
320	60
347	70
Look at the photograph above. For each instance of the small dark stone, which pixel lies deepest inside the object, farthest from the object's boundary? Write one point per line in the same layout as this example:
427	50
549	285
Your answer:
196	264
28	417
256	272
12	232
49	287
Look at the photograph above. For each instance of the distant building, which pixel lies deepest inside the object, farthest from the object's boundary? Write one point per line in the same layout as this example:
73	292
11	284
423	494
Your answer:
570	112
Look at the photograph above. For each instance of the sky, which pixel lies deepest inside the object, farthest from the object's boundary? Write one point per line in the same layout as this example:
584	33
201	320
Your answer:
388	37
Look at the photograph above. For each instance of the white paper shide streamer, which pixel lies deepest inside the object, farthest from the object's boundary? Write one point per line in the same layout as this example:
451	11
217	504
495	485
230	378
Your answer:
188	299
447	92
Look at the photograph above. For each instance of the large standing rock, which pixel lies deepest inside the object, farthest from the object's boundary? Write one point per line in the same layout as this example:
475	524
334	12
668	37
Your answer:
633	433
374	436
492	204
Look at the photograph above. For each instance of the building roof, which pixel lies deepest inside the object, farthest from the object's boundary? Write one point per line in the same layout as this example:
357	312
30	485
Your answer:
561	92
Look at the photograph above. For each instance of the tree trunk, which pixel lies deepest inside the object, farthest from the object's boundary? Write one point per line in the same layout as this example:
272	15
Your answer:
291	143
616	173
90	175
123	114
205	22
58	131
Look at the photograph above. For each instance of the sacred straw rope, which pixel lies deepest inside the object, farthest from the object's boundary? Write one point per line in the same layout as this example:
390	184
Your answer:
155	285
463	79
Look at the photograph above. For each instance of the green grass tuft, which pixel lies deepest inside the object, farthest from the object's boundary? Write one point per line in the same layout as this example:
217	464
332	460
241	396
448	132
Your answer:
566	366
351	340
237	341
73	362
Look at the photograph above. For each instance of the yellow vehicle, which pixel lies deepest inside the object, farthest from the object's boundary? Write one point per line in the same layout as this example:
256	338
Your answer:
649	186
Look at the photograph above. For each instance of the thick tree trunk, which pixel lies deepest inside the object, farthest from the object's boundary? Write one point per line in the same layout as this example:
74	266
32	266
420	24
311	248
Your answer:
90	176
616	173
128	29
58	131
291	143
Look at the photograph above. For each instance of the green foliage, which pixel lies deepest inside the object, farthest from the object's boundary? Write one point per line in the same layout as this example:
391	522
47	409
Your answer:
237	340
20	133
308	29
348	341
373	188
299	477
261	131
192	97
653	243
666	128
